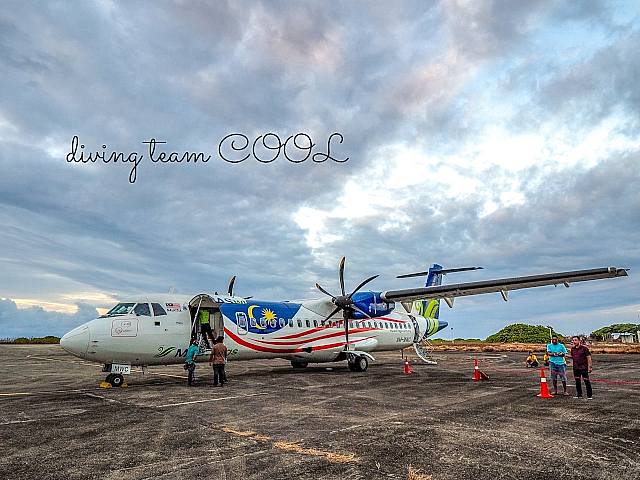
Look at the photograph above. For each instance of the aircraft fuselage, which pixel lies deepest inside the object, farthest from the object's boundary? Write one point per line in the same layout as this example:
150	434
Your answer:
252	330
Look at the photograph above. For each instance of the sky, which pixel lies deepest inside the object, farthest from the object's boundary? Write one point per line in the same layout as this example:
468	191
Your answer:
497	134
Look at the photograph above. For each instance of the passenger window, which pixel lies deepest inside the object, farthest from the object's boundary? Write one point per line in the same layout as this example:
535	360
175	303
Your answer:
315	323
282	322
263	322
350	324
142	309
291	322
306	320
158	310
386	325
299	323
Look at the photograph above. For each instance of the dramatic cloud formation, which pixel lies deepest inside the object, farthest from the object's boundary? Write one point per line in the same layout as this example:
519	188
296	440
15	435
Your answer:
496	133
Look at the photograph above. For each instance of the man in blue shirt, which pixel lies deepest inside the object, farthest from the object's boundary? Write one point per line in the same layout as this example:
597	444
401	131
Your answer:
557	366
190	361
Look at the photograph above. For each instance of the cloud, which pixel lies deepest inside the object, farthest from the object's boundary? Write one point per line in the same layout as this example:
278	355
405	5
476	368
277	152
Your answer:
37	322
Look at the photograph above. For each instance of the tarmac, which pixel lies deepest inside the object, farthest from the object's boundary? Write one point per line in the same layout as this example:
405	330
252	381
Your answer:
323	422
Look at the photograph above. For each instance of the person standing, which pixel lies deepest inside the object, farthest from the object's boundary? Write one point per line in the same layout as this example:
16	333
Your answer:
557	366
218	359
190	361
205	327
582	367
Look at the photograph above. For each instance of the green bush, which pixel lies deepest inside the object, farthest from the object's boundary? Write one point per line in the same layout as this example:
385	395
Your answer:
522	333
49	339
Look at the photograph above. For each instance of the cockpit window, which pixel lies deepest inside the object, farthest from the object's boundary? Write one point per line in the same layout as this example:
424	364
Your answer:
121	309
157	309
142	309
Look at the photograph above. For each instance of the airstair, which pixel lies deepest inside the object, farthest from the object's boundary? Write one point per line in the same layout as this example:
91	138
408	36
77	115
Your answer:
424	350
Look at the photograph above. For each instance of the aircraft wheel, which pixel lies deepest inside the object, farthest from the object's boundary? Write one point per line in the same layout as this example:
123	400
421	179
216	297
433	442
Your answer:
299	364
109	378
352	366
362	364
116	380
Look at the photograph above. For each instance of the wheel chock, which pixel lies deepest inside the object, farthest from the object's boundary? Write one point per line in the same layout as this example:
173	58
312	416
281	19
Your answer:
106	385
124	384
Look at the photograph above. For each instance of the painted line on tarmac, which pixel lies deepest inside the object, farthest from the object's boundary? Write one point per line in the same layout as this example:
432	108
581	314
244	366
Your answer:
166	375
48	392
209	400
62	361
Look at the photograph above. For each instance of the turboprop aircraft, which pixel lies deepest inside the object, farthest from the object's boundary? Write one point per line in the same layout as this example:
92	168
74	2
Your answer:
157	329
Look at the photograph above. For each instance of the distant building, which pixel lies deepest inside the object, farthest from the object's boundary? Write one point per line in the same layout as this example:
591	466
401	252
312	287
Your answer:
625	337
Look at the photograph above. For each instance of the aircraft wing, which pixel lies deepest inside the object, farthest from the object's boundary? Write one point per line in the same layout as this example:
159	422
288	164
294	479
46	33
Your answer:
502	285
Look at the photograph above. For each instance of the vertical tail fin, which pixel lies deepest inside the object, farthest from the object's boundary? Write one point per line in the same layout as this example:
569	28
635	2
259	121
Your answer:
430	308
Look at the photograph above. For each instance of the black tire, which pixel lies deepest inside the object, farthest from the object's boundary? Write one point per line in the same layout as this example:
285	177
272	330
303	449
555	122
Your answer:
352	366
362	364
116	380
109	378
299	364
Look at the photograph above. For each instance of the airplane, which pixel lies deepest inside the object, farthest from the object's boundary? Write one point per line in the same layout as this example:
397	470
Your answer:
157	329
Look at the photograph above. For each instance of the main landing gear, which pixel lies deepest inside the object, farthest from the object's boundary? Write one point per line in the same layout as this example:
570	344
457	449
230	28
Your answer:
295	364
358	364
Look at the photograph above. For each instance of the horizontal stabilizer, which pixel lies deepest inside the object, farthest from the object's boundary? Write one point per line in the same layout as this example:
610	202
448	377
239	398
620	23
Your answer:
443	271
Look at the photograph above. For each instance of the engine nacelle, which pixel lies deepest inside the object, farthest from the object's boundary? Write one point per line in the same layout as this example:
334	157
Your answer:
372	304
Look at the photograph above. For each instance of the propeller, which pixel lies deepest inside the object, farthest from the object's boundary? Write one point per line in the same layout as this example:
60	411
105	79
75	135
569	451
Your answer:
344	302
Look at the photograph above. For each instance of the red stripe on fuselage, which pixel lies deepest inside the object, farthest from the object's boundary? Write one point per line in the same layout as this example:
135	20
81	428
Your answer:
260	348
314	339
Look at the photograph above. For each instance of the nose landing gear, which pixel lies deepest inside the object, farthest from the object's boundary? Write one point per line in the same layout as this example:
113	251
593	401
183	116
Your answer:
113	380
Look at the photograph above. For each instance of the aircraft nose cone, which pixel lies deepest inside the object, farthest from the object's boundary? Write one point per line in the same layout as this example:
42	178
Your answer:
442	325
76	341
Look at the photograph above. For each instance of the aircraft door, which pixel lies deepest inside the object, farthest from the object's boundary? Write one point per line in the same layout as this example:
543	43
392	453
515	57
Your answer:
242	323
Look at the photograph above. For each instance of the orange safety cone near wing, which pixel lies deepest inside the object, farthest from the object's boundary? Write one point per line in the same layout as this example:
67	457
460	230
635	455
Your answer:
406	366
544	390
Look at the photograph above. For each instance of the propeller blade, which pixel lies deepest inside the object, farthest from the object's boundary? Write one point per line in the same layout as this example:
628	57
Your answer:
324	291
362	285
230	290
335	310
342	275
345	316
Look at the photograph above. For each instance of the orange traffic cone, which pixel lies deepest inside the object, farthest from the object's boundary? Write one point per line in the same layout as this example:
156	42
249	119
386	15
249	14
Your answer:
476	375
544	390
406	366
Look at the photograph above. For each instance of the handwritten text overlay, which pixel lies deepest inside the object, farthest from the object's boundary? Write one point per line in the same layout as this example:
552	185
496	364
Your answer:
234	148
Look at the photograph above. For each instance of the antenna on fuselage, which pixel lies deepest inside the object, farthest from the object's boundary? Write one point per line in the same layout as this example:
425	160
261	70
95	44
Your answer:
171	289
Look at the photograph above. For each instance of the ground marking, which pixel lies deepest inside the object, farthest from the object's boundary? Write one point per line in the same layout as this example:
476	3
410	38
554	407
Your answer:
292	447
209	400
